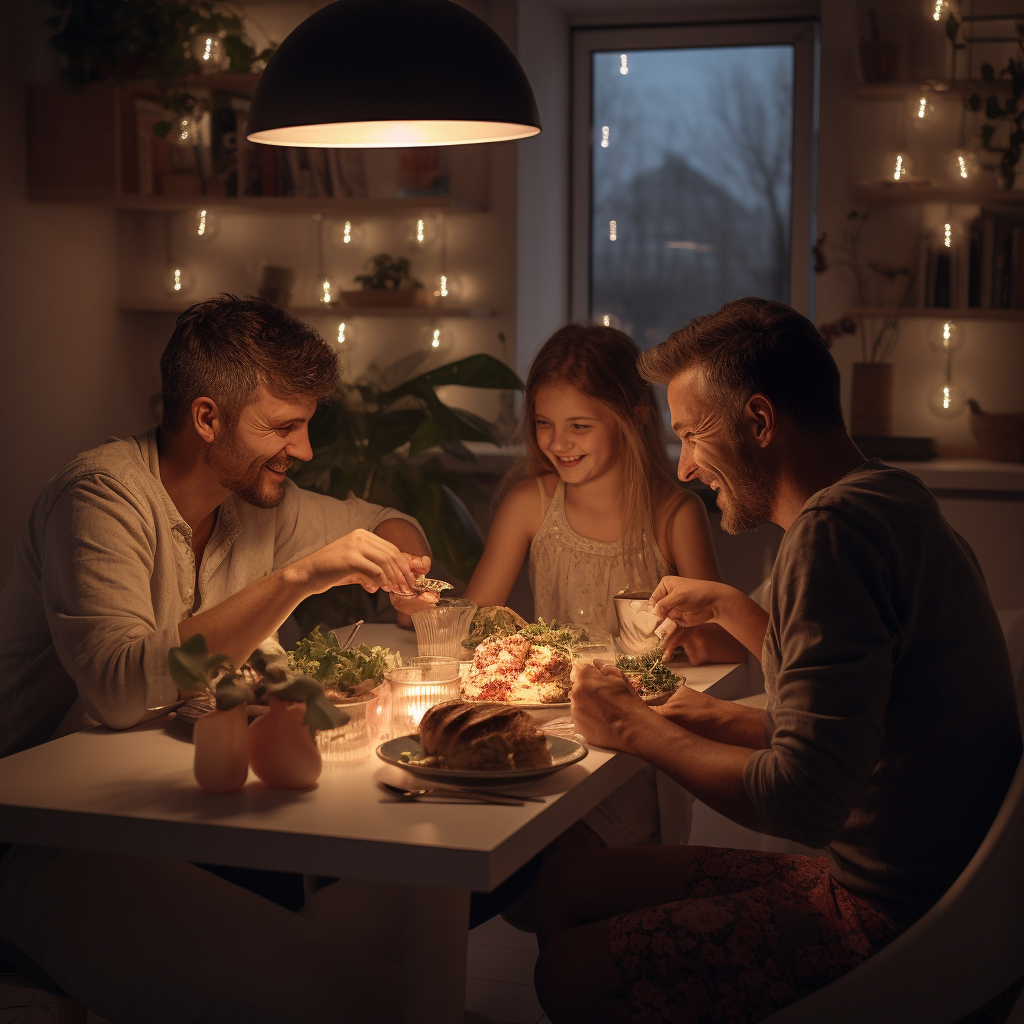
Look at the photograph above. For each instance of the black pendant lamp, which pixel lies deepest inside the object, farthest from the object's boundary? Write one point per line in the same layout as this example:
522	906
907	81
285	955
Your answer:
383	73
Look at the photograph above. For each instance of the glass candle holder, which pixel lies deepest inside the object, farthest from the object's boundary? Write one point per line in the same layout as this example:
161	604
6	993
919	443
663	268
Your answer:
417	687
369	722
440	630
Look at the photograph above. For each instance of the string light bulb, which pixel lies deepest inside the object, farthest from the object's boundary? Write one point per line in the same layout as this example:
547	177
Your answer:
947	235
946	400
208	52
347	232
613	230
324	294
623	64
945	336
177	280
205	224
936	10
435	337
899	167
184	131
605	136
962	166
921	110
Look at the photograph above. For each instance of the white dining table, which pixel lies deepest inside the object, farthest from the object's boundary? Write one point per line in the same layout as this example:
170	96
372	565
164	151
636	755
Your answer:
133	792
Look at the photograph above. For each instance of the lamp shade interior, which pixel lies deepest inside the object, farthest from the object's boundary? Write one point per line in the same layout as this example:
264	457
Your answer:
392	73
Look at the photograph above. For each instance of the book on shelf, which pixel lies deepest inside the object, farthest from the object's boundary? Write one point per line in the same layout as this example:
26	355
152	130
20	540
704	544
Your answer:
982	269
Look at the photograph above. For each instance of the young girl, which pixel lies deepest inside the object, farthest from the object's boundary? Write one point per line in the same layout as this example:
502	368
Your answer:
600	510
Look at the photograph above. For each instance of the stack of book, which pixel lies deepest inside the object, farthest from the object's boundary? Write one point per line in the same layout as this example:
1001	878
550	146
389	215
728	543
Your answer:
221	162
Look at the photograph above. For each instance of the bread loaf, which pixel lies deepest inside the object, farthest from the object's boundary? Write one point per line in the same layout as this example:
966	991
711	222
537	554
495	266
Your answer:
482	737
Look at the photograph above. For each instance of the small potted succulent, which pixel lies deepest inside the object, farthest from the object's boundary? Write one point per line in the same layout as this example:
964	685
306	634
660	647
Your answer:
279	746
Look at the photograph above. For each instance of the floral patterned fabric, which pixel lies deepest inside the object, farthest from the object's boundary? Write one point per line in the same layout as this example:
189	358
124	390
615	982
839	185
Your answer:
759	931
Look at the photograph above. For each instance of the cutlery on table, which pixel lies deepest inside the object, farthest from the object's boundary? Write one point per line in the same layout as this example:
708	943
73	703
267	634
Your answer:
471	792
458	794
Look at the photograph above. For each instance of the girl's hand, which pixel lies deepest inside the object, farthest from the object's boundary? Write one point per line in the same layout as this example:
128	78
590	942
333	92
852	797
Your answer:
417	602
604	705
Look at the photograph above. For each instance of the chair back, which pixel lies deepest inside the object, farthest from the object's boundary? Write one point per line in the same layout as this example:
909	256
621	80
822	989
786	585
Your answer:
962	953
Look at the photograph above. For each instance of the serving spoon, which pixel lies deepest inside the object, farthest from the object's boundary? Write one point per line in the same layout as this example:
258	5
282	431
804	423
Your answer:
484	798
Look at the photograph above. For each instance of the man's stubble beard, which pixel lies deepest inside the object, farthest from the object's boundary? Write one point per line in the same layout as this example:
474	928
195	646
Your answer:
225	454
752	491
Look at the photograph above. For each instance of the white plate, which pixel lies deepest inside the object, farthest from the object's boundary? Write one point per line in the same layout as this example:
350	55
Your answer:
564	752
555	706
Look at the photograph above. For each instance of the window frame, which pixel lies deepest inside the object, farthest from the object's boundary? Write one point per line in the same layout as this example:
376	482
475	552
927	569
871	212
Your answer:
802	35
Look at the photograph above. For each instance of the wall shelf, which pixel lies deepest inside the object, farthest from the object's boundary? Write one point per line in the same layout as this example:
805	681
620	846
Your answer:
403	312
906	90
880	195
933	313
356	205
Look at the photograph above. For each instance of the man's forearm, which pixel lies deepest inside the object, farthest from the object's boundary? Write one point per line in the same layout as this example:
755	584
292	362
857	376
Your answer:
744	618
715	719
403	535
235	627
711	771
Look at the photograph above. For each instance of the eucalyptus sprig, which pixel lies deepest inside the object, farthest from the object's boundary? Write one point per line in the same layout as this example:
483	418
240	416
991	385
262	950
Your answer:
195	670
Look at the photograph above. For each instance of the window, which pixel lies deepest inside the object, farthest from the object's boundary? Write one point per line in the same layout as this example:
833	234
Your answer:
693	183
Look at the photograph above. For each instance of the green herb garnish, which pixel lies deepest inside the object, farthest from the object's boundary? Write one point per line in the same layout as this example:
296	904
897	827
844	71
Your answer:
648	674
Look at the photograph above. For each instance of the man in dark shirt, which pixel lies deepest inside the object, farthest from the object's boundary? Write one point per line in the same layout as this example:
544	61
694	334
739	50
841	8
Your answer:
890	736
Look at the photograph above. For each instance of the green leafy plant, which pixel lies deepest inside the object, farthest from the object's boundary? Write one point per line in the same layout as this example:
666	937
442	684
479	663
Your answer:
121	40
1001	133
387	274
383	444
352	670
195	670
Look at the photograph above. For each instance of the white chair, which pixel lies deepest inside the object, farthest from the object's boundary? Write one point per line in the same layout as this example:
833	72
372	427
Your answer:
966	950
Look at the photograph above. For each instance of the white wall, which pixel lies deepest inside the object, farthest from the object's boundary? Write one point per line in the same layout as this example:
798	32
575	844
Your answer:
65	384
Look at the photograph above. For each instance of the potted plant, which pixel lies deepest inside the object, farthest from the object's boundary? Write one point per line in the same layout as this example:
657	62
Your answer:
383	442
887	287
388	281
280	746
149	39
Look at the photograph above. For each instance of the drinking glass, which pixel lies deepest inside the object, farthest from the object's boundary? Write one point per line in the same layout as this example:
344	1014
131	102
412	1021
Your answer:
369	722
440	630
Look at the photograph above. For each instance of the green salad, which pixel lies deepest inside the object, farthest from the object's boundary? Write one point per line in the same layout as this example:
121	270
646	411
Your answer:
349	670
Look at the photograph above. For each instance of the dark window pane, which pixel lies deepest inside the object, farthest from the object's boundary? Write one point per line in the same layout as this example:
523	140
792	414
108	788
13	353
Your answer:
691	183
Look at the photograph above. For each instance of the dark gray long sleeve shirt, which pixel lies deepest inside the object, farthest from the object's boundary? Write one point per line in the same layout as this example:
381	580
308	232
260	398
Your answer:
894	729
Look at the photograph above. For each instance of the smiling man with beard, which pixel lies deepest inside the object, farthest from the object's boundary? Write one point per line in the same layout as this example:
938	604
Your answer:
135	546
890	735
191	527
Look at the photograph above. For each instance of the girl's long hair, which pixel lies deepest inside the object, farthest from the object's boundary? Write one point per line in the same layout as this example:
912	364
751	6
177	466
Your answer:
601	363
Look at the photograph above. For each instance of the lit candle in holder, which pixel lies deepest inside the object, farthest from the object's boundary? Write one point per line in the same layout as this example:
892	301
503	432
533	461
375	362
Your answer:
417	687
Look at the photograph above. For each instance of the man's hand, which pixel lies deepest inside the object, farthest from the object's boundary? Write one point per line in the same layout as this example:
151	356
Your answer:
704	644
364	558
605	708
709	606
686	602
420	601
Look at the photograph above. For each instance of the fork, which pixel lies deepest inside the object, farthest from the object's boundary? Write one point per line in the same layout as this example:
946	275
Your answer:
482	798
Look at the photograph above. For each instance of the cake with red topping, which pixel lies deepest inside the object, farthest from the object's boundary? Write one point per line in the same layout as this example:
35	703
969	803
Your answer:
513	670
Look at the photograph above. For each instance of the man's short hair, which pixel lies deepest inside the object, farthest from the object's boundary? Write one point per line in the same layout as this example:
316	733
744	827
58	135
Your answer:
755	346
226	348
